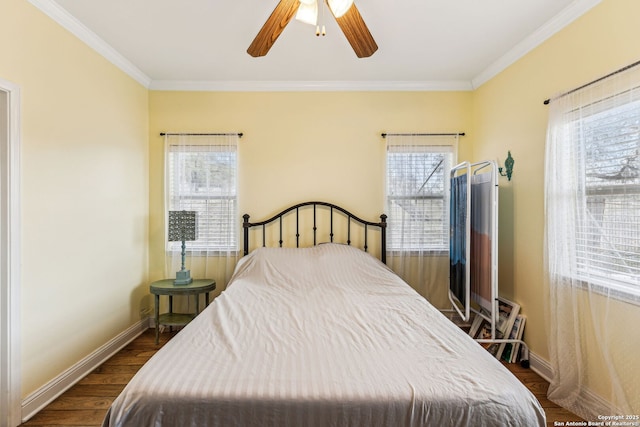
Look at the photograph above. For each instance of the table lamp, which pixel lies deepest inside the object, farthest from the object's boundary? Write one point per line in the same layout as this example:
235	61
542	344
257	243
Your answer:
182	228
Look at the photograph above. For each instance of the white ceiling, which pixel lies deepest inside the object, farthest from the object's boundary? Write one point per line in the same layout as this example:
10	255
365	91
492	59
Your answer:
423	44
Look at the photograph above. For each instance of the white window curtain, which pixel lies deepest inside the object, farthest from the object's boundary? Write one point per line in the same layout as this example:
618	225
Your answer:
592	248
417	199
201	176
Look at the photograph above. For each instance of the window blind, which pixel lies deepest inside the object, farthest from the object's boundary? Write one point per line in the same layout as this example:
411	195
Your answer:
418	197
608	236
202	178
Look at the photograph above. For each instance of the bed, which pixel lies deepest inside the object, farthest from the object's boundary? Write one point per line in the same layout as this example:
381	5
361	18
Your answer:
324	335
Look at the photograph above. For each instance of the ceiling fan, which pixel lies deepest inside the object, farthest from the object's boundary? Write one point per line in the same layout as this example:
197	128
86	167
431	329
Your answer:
345	12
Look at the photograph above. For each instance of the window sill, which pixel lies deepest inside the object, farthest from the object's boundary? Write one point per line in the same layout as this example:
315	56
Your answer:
609	287
417	252
205	252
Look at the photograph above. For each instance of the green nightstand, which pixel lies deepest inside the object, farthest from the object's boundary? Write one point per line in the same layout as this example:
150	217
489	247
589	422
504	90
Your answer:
166	287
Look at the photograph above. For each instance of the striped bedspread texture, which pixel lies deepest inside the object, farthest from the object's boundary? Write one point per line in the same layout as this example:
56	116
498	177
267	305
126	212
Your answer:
322	336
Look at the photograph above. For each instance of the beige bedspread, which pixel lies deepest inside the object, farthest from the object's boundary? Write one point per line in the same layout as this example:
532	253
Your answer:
322	336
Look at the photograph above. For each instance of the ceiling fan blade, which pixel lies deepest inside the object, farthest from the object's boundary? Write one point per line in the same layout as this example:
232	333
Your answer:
357	33
271	30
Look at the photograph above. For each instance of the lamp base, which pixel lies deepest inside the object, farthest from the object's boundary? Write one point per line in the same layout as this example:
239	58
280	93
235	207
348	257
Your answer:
183	277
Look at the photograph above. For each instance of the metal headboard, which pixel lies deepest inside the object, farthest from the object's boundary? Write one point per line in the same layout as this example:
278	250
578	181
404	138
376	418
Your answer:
246	225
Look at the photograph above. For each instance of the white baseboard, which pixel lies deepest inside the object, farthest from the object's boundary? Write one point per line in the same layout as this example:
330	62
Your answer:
540	366
587	398
63	382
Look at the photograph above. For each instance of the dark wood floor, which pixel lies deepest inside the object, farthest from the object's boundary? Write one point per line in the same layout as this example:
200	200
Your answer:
86	403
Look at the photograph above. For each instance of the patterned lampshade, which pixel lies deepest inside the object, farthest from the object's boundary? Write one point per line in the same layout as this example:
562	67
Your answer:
182	226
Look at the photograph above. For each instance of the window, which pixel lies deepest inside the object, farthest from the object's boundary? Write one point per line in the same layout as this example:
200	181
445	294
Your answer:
608	235
593	187
201	177
418	196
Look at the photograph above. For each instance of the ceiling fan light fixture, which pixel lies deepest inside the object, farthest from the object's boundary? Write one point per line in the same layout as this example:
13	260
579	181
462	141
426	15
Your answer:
340	7
308	12
347	17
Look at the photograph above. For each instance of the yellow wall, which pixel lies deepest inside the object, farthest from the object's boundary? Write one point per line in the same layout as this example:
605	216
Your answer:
508	113
300	146
84	193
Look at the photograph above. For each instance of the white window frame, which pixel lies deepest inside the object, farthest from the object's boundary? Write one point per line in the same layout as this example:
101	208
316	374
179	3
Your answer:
620	283
437	148
184	201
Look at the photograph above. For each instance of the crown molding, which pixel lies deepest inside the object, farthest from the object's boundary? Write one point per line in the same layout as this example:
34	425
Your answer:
555	24
558	22
311	86
75	27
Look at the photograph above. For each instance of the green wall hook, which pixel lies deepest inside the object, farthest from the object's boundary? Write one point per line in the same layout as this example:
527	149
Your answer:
508	166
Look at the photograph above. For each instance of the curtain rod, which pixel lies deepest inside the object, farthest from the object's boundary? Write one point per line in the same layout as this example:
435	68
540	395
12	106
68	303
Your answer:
239	134
547	101
384	135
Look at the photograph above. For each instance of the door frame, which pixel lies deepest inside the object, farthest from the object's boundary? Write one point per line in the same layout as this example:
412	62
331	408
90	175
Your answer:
10	367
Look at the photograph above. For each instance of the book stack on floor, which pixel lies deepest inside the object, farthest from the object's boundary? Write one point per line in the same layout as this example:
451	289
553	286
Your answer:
511	352
510	324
